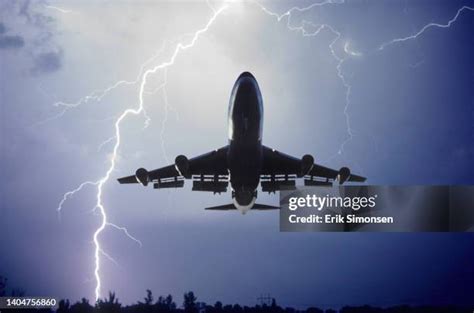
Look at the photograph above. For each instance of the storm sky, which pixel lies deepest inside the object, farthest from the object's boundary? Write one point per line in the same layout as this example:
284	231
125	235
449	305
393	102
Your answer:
410	113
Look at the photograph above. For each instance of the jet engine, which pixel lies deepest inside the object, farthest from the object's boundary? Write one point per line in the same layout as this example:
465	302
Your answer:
142	176
182	165
344	174
307	162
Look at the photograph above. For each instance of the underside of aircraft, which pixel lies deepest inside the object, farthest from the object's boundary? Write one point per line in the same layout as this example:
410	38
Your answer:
245	163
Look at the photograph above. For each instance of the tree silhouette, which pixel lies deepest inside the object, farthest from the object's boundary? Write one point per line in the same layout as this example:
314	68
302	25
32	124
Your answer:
110	305
169	303
82	307
63	306
149	297
190	302
165	304
218	307
148	306
15	292
190	305
274	304
237	308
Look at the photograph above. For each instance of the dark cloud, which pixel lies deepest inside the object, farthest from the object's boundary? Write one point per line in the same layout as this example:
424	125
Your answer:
47	62
39	42
11	42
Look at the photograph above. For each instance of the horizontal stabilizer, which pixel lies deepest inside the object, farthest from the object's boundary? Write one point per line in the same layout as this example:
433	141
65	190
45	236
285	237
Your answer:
224	207
256	206
357	178
128	180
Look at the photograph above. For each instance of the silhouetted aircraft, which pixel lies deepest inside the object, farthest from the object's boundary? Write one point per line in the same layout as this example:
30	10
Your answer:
244	162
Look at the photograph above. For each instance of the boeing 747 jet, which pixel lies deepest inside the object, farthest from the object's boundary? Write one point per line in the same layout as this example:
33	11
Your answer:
245	162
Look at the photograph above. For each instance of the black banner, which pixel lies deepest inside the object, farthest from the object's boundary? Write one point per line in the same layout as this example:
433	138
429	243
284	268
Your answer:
378	208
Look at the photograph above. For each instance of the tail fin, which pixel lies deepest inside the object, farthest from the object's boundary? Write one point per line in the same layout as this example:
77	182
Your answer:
256	206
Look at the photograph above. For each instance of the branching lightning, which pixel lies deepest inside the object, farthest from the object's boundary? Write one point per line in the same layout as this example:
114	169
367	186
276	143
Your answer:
97	96
426	27
349	53
339	60
306	28
106	142
109	257
71	193
125	232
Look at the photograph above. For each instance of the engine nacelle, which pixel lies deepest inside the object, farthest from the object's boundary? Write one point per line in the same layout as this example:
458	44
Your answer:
307	163
142	176
343	175
181	164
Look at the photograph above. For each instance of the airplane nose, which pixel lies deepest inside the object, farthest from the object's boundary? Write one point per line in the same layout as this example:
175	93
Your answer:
246	85
246	75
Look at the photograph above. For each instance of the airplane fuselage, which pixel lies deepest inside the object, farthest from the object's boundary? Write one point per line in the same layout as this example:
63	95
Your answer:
245	154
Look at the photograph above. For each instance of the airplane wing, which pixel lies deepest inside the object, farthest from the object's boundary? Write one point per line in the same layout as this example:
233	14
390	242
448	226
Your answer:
208	172
281	169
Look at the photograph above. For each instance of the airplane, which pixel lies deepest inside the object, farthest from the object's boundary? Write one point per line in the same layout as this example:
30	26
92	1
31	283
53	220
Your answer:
245	162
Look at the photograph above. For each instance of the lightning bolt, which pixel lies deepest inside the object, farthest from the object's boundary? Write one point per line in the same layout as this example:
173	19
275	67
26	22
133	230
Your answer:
339	60
426	27
107	141
123	229
70	193
97	96
302	28
51	7
351	52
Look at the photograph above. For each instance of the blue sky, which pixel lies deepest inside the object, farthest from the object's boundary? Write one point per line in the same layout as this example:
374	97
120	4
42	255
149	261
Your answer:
409	110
